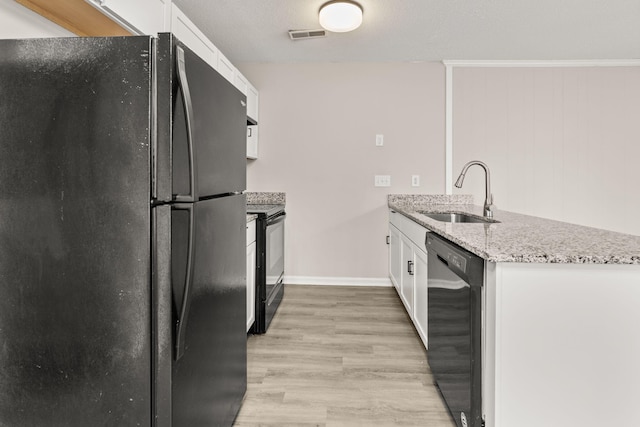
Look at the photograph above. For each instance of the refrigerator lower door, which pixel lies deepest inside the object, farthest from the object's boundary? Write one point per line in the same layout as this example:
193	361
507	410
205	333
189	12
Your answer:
162	323
209	377
75	299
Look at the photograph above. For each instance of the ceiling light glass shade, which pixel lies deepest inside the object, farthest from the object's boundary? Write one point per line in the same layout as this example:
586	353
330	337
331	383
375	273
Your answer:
340	16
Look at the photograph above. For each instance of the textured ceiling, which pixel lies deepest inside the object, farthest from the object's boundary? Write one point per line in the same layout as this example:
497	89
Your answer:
424	30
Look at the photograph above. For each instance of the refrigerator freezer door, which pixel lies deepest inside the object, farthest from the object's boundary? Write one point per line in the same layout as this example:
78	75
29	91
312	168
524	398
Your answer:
213	113
75	305
209	379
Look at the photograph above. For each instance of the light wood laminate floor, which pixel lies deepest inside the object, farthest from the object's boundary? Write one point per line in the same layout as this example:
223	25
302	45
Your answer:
340	356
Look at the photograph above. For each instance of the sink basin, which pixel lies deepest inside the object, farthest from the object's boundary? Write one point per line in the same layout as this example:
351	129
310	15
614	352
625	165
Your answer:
457	217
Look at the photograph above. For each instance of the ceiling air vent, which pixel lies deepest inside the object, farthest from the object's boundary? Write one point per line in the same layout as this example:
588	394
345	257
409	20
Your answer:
306	34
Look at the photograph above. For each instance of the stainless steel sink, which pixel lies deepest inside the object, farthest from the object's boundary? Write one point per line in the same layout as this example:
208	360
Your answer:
457	217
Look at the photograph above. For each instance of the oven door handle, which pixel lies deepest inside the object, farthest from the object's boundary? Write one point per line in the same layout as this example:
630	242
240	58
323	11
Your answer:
277	219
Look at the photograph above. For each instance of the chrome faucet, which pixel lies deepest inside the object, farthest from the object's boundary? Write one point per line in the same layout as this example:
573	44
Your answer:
488	197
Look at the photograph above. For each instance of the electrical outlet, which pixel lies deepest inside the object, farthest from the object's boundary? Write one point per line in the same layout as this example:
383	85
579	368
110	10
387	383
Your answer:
379	140
415	180
382	181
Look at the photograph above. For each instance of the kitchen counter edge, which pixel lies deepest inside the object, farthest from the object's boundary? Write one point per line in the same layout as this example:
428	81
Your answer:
524	238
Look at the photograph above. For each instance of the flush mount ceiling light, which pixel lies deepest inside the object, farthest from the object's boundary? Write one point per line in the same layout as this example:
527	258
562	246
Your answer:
340	16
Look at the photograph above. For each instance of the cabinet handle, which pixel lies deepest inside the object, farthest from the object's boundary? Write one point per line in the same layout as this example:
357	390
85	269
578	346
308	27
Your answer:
410	267
388	241
250	133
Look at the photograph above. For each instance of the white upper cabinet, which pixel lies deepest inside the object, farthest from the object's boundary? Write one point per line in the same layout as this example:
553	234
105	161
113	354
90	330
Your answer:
226	68
252	142
190	35
154	16
240	82
252	119
140	16
252	102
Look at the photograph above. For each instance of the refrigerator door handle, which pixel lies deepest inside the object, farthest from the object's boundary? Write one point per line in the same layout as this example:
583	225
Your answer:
188	113
181	326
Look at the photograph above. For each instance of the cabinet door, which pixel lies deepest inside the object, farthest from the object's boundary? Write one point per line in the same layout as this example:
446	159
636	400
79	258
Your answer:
240	82
140	17
252	102
395	257
190	35
420	286
226	68
252	142
251	284
408	270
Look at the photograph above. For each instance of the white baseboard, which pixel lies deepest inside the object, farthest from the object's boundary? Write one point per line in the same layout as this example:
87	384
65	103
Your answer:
337	281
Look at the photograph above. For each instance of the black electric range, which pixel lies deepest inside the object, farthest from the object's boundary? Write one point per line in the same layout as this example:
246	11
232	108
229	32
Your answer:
269	262
264	209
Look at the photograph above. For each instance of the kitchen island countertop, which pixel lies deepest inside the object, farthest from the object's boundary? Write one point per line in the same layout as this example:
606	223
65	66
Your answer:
517	237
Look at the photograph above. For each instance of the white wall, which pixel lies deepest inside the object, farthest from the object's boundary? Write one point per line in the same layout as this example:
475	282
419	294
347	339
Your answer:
17	22
562	143
317	143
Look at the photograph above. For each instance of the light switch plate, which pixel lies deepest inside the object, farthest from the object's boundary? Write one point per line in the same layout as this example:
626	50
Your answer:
379	140
382	181
415	180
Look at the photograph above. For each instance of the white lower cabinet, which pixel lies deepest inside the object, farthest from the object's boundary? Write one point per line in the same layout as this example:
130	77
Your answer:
395	257
420	294
408	268
408	273
251	273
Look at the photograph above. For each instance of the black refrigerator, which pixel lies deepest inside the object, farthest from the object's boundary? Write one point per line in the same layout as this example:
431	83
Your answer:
122	235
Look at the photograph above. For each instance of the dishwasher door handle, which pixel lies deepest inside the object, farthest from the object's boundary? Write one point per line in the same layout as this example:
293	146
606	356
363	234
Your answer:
442	260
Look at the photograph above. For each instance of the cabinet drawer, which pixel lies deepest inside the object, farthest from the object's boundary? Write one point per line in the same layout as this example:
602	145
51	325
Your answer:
251	232
394	218
414	231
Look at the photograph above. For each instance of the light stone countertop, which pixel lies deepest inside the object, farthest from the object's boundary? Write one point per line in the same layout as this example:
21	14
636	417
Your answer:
265	198
520	238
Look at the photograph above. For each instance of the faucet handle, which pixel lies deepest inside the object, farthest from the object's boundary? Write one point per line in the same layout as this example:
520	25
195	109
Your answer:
488	206
488	211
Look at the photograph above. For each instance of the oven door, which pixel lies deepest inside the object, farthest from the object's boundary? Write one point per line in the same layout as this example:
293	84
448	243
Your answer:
274	255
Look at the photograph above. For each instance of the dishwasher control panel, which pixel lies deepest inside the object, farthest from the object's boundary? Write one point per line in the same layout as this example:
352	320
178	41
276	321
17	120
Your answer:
456	260
460	261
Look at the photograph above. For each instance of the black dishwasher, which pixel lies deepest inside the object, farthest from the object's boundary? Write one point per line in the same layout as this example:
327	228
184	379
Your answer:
455	280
